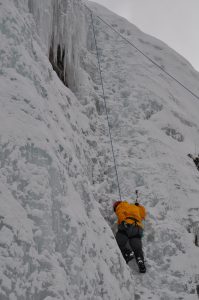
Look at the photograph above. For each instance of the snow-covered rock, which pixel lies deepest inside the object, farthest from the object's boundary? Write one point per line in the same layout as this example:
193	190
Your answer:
57	179
54	242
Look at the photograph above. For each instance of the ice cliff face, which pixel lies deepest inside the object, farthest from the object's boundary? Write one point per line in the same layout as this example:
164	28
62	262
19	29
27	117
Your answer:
54	242
57	180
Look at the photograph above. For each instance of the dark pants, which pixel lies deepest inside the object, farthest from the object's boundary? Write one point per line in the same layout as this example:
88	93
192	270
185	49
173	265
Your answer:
134	239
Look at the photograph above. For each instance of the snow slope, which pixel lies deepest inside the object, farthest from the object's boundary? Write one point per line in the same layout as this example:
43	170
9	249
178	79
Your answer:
57	177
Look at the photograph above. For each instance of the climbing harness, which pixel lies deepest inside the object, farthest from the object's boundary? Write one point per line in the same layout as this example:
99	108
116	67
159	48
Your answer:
133	219
105	105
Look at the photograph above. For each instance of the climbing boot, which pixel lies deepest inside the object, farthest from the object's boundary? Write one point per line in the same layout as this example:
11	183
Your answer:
128	255
141	265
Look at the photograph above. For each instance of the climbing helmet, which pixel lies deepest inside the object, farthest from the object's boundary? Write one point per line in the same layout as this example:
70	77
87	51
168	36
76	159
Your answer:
115	204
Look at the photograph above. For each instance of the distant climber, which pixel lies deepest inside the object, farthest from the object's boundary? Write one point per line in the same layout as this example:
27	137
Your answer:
195	159
196	235
130	231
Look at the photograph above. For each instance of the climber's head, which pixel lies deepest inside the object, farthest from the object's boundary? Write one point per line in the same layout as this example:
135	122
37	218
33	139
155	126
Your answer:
115	204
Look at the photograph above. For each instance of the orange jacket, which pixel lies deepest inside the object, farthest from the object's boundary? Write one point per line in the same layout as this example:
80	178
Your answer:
125	211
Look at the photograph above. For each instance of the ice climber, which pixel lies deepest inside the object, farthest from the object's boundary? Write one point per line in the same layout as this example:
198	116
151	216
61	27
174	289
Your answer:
130	231
195	159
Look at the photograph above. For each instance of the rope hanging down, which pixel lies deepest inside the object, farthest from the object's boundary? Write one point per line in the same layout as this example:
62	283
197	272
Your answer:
146	56
107	115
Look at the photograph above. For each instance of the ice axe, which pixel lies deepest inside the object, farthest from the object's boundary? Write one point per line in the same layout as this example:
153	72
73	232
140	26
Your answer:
136	200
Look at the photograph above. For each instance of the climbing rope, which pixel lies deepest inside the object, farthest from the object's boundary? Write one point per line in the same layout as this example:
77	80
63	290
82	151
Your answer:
105	105
102	84
146	56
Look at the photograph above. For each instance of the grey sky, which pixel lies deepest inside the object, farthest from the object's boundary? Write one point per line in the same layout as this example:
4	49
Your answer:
176	22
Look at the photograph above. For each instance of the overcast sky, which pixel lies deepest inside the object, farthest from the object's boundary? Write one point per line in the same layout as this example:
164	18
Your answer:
176	22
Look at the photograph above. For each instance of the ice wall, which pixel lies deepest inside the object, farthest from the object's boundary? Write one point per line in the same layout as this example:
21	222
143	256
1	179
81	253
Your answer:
61	25
154	125
55	158
54	242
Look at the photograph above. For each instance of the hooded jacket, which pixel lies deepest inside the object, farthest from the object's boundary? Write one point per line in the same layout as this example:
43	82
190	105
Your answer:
130	213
